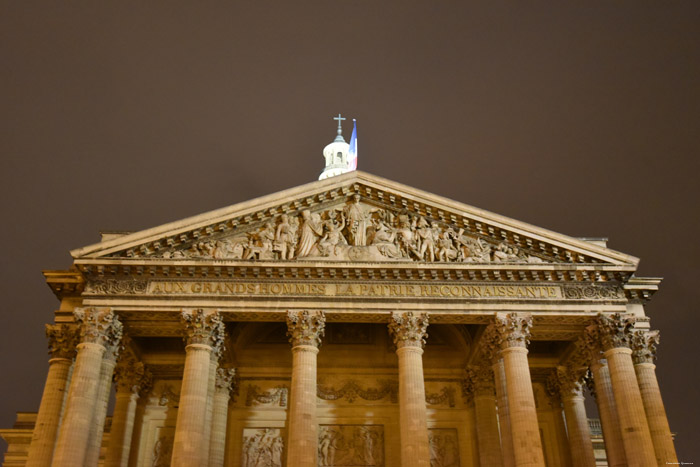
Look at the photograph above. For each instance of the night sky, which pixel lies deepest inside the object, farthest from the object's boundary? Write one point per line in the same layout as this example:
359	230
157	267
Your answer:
583	119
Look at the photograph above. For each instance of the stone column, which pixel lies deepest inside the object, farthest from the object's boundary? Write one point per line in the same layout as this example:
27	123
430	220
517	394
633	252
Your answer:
217	444
566	385
503	414
644	351
514	330
204	330
609	421
409	332
615	332
132	378
489	442
99	328
92	454
62	341
213	367
305	330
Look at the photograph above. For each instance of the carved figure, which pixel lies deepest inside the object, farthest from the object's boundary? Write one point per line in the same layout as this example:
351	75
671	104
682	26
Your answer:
351	445
359	219
261	245
446	248
443	448
333	238
285	238
163	451
384	238
311	231
262	448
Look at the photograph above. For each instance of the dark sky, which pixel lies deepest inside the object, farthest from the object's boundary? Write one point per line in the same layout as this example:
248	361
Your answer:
583	119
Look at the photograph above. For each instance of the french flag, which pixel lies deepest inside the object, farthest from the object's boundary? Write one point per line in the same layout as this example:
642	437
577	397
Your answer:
352	152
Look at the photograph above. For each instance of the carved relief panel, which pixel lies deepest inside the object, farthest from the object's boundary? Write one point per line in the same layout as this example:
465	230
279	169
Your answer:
262	447
444	447
351	445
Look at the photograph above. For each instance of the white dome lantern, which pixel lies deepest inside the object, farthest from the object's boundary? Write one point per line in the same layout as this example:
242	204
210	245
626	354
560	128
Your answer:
336	154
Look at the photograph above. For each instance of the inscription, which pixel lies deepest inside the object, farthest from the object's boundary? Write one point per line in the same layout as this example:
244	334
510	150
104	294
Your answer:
515	292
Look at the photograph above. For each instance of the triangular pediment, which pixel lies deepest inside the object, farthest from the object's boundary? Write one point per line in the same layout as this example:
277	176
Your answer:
353	217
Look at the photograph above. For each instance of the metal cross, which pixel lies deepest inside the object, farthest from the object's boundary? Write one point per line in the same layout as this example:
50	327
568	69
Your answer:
340	119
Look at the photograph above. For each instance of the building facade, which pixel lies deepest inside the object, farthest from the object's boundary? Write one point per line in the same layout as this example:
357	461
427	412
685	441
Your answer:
352	321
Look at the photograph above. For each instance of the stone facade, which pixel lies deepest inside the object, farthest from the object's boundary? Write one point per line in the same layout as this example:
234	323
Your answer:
352	321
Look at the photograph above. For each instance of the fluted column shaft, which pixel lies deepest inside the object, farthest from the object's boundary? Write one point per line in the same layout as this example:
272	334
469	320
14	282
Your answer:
614	447
48	418
122	429
92	454
488	438
527	445
213	366
99	327
217	444
62	342
636	437
204	330
503	414
656	414
644	352
303	429
305	330
131	377
579	433
409	332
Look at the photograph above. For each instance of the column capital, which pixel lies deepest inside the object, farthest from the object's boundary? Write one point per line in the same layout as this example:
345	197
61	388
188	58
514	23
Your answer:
481	380
224	379
408	329
513	329
62	340
203	327
306	327
614	331
132	375
99	326
566	382
644	345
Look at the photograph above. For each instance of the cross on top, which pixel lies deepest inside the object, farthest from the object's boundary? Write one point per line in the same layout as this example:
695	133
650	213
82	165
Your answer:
340	119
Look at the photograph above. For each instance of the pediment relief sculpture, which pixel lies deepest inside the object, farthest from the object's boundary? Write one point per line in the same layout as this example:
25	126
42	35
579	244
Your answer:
354	231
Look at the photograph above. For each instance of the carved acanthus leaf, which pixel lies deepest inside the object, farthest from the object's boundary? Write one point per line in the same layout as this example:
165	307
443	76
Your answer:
99	326
131	375
481	379
305	327
408	329
203	327
224	379
62	339
565	382
644	344
514	329
615	330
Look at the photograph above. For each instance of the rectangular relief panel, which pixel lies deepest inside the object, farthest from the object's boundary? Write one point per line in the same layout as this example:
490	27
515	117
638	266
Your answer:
351	445
262	447
444	447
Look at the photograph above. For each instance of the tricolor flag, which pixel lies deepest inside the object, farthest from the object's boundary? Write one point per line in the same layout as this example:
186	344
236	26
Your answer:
352	152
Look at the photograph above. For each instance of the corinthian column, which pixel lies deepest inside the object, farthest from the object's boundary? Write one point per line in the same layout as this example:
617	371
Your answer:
217	350
615	333
567	385
132	378
62	341
99	329
514	330
305	330
217	444
92	455
204	330
644	351
605	399
409	332
481	378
